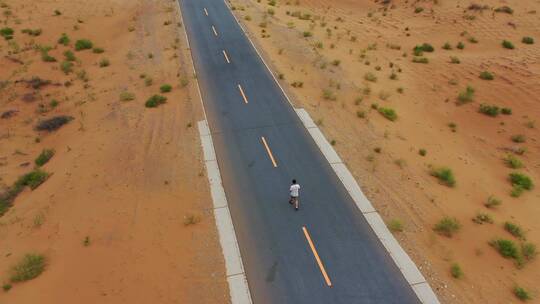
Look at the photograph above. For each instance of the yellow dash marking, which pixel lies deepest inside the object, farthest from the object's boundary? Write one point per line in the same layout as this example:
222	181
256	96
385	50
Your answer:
205	11
268	151
243	95
214	29
321	266
228	61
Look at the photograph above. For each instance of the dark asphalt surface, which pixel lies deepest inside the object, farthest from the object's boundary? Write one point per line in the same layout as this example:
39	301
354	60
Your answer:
279	263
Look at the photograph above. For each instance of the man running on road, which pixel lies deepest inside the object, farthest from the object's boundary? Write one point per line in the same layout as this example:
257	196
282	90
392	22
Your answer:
293	190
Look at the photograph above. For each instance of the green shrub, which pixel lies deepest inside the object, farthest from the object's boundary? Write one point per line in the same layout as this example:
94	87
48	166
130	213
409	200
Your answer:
466	96
64	39
418	10
32	179
506	248
456	271
388	113
528	250
521	293
126	96
473	40
460	45
508	45
31	266
422	152
485	75
66	67
506	111
69	55
492	202
83	44
420	49
166	88
514	230
155	101
518	138
489	110
527	40
447	46
7	33
44	157
6	287
104	63
447	226
97	50
395	225
307	34
445	176
513	162
521	180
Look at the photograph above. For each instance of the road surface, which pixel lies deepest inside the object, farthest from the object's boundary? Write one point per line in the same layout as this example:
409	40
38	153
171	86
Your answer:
324	253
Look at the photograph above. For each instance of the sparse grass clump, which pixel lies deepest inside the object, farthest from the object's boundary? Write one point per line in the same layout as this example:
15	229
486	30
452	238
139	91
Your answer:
447	226
370	77
388	113
329	94
103	63
447	46
191	219
44	157
528	250
126	96
32	32
506	111
166	88
521	293
98	50
460	45
418	9
486	75
83	44
420	49
30	267
307	34
514	230
518	138
155	101
506	248
504	9
64	39
456	271
482	218
6	287
508	45
423	60
69	55
395	225
520	182
454	60
489	110
66	67
445	176
466	96
527	40
513	162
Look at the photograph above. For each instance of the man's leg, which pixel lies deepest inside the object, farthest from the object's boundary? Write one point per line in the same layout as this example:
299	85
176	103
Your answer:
296	203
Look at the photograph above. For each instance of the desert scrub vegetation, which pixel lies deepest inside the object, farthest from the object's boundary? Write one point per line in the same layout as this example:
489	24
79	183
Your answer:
518	138
482	218
504	9
388	113
191	219
32	32
7	33
423	60
44	157
506	111
64	39
454	60
529	251
520	182
456	271
466	96
521	293
506	248
32	179
329	94
98	50
155	101
514	230
370	77
527	40
460	45
447	46
489	110
513	162
70	56
166	88
507	45
420	49
447	226
126	96
45	57
83	44
444	175
485	75
53	124
103	63
395	225
30	267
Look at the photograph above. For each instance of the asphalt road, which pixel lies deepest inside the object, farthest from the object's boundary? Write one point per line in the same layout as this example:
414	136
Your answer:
280	264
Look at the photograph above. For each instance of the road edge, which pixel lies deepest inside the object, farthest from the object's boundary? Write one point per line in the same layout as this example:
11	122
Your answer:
408	268
236	277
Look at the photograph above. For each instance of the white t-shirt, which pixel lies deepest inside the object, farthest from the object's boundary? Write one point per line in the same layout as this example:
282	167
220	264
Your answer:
294	190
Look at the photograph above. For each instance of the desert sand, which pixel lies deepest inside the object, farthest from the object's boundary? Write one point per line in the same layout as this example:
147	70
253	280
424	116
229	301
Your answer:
346	61
125	215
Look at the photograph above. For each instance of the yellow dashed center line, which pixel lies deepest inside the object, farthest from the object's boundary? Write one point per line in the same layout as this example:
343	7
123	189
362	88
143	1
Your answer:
205	11
321	266
242	93
214	29
269	151
228	61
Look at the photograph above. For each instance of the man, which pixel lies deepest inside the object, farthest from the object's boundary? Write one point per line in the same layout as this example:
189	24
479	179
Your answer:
294	192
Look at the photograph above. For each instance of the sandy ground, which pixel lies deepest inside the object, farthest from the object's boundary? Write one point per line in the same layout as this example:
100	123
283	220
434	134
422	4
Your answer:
124	177
332	45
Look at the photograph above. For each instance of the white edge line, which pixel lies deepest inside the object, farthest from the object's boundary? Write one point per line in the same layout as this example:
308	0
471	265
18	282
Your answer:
423	290
238	285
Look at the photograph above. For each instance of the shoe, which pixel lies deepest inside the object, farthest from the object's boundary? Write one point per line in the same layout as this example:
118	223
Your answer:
290	202
295	208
